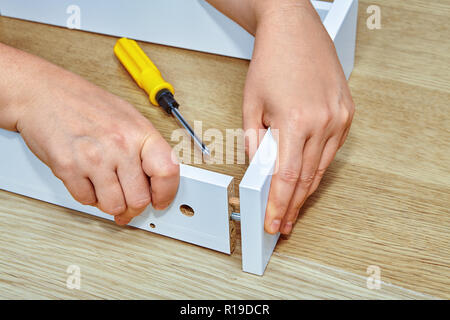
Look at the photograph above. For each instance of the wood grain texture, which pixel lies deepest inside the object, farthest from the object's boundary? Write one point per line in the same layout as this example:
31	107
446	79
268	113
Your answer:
129	263
384	201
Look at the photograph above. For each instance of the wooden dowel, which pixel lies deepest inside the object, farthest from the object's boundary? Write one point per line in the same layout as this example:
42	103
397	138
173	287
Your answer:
235	204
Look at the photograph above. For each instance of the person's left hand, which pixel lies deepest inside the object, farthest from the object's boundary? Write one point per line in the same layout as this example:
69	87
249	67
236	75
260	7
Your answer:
296	84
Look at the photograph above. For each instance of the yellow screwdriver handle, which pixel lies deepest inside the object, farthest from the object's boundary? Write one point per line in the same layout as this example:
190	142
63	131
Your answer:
141	68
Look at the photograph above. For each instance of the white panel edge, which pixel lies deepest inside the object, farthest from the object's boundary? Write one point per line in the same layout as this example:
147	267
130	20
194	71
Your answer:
257	245
23	173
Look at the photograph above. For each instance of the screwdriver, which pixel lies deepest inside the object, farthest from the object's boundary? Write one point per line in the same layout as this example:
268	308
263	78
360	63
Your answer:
149	78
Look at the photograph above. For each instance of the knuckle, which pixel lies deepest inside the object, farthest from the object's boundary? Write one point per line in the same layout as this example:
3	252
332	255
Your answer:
63	166
296	116
307	179
118	139
320	173
296	119
345	116
288	175
92	154
88	150
349	110
85	197
113	210
139	204
168	170
325	119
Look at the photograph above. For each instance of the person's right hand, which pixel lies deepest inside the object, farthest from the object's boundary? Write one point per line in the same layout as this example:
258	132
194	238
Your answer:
107	154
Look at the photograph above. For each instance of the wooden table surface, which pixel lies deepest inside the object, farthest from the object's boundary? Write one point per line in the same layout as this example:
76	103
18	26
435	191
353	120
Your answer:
383	202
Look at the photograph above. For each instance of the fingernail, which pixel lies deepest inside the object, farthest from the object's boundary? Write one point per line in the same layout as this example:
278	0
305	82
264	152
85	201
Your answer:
275	226
287	228
161	206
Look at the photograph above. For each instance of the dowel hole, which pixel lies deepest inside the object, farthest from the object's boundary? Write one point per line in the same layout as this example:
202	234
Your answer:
152	225
186	210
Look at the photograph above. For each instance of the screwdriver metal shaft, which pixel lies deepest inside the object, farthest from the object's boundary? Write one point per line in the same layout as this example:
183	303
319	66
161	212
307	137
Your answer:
186	125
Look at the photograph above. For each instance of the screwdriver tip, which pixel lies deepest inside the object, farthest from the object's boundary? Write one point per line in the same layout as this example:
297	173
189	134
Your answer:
206	150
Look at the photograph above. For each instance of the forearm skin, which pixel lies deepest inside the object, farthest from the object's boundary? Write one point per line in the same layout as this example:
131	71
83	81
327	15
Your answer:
18	70
249	13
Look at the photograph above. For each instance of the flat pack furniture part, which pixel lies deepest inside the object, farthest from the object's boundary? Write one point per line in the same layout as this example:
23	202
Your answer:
190	24
206	192
256	244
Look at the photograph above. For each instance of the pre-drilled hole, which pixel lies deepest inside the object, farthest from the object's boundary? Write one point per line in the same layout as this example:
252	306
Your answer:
152	225
186	210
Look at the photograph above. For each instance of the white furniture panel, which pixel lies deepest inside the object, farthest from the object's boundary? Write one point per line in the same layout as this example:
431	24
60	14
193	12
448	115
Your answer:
190	24
204	191
341	26
257	245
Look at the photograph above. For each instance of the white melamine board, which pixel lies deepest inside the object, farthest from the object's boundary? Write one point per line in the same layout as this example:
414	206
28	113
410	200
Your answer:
190	24
340	23
257	245
205	191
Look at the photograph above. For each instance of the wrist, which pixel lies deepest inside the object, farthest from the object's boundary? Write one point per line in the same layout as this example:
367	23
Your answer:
279	11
